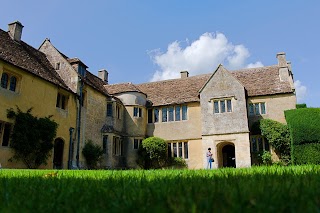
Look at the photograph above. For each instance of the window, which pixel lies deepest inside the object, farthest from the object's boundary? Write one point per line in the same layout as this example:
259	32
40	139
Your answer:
117	146
82	70
104	143
57	66
164	114
156	115
259	143
177	113
150	116
9	81
109	109
178	149
61	101
257	109
5	130
171	113
222	106
184	112
137	143
137	112
118	111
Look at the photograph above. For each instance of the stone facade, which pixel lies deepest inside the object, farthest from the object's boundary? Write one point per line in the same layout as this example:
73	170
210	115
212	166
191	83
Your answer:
192	114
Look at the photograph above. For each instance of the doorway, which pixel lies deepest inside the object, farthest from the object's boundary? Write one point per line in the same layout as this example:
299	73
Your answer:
58	153
228	156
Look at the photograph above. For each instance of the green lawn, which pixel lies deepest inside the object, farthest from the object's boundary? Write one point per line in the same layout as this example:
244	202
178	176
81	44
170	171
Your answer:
257	189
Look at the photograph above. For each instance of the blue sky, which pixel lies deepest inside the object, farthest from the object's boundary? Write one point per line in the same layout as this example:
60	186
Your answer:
139	41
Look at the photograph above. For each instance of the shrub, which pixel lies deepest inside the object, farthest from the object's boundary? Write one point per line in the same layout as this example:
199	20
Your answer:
299	106
306	153
92	153
266	158
153	153
278	136
177	163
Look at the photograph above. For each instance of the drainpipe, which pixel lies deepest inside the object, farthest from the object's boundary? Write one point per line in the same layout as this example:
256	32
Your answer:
71	129
79	123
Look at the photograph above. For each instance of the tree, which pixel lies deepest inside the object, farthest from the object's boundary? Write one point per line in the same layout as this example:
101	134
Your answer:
92	153
32	137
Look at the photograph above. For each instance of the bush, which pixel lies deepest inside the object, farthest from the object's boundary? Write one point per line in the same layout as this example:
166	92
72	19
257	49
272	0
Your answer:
153	153
177	163
278	136
92	153
299	106
266	158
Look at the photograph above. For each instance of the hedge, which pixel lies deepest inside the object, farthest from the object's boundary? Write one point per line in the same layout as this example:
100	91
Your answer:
304	125
306	153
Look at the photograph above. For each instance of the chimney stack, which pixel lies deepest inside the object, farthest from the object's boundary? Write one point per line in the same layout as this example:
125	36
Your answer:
184	74
103	75
282	59
15	30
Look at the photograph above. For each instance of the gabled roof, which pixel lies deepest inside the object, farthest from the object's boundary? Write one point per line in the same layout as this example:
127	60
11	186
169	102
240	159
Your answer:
257	82
24	56
95	82
121	88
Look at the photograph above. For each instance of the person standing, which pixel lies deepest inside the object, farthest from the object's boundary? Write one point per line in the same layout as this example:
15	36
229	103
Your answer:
209	159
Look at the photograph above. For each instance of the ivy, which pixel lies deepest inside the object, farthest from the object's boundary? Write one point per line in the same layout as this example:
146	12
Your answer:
32	137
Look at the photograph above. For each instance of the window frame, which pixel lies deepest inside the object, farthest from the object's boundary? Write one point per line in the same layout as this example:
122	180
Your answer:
222	105
258	143
253	106
10	82
5	132
178	149
62	101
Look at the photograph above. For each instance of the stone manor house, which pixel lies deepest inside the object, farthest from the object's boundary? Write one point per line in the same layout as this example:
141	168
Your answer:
191	113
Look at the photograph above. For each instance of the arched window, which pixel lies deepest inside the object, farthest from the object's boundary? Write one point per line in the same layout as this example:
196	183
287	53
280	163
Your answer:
4	80
13	83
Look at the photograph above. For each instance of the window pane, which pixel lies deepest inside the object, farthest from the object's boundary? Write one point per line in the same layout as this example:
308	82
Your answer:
156	115
178	113
58	101
135	143
260	144
184	112
229	107
216	106
6	134
171	113
174	149
256	108
150	116
186	151
135	111
169	150
266	145
263	108
109	109
140	112
104	145
13	82
4	80
251	109
63	102
254	145
180	149
222	106
164	114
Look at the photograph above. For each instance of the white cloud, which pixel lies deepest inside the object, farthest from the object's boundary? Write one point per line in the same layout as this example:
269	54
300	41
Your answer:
200	56
253	65
301	91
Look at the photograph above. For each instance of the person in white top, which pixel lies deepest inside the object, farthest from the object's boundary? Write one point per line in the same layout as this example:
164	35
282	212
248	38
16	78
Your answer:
209	159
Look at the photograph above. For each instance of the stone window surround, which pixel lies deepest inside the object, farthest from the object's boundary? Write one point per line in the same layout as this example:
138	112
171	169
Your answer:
181	151
255	145
225	100
4	128
137	142
260	104
10	76
171	113
62	101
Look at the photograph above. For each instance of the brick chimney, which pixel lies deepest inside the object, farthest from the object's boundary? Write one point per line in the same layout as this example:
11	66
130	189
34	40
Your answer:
15	30
103	75
184	74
